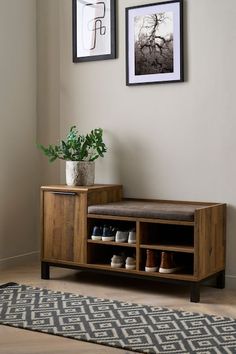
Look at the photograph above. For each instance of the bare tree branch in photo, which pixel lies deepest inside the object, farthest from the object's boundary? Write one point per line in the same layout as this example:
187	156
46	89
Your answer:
153	51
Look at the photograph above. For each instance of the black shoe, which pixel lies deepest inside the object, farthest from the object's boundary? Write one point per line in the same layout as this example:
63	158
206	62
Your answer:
97	233
108	233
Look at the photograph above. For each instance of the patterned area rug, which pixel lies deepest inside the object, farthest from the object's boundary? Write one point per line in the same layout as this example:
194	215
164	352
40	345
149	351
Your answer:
140	328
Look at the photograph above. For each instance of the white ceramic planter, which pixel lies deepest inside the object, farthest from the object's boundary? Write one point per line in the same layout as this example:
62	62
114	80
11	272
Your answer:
80	173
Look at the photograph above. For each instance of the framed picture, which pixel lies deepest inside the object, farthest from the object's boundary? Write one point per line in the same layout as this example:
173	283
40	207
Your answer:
154	43
94	30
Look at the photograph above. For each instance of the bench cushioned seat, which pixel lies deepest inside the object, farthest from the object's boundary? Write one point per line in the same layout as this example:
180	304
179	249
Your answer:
147	209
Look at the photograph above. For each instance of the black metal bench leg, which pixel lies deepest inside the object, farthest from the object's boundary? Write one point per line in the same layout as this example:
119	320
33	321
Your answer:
45	270
220	280
195	292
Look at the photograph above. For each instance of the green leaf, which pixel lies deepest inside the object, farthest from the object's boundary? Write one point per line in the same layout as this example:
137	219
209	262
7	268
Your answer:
77	147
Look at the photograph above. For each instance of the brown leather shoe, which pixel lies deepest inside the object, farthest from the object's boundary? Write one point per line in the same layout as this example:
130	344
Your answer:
151	261
167	263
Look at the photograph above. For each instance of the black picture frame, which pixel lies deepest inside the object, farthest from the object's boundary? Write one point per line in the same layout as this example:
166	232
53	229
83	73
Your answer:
93	38
154	43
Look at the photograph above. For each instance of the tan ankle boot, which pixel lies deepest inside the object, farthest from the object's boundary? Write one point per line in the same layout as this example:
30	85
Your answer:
151	261
167	263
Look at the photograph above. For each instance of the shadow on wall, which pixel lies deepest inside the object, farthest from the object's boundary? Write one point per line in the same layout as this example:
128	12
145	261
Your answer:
121	164
108	169
19	208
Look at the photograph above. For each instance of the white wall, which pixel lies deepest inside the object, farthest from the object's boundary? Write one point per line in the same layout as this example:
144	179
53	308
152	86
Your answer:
172	141
48	83
19	163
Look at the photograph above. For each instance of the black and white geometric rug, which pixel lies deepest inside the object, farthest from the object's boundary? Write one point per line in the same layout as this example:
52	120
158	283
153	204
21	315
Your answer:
140	328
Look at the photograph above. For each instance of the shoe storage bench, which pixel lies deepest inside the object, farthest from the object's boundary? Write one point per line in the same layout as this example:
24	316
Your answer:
193	232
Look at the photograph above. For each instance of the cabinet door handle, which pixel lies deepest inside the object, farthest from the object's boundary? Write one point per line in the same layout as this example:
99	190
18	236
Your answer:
65	193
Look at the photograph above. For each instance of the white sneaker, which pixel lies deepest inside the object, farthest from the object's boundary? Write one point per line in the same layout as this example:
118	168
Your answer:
122	236
117	262
132	237
130	263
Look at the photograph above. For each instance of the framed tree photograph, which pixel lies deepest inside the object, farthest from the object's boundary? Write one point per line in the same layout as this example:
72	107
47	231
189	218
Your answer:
154	43
94	30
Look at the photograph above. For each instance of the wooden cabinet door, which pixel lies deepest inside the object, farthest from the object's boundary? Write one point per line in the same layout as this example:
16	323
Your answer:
60	225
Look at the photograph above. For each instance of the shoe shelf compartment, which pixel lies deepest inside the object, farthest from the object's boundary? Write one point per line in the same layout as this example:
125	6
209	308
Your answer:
176	239
100	252
122	225
167	237
100	255
184	263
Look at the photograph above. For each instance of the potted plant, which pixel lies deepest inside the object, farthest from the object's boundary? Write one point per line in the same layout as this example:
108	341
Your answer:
79	151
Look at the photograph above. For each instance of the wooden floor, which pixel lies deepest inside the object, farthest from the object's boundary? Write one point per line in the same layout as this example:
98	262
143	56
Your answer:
15	341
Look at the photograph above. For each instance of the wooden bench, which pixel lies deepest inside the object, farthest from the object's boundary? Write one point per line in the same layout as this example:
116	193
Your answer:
193	231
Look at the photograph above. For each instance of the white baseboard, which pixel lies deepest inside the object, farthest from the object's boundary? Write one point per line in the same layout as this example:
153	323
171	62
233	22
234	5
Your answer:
20	259
230	281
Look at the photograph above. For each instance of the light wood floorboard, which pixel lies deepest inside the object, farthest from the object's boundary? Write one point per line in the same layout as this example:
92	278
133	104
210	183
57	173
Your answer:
15	341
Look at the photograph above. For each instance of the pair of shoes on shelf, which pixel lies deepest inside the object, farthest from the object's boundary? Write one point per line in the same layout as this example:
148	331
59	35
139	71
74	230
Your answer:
167	264
119	261
105	233
126	236
110	233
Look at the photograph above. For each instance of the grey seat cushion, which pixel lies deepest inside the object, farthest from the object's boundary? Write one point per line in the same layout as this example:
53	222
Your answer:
146	209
